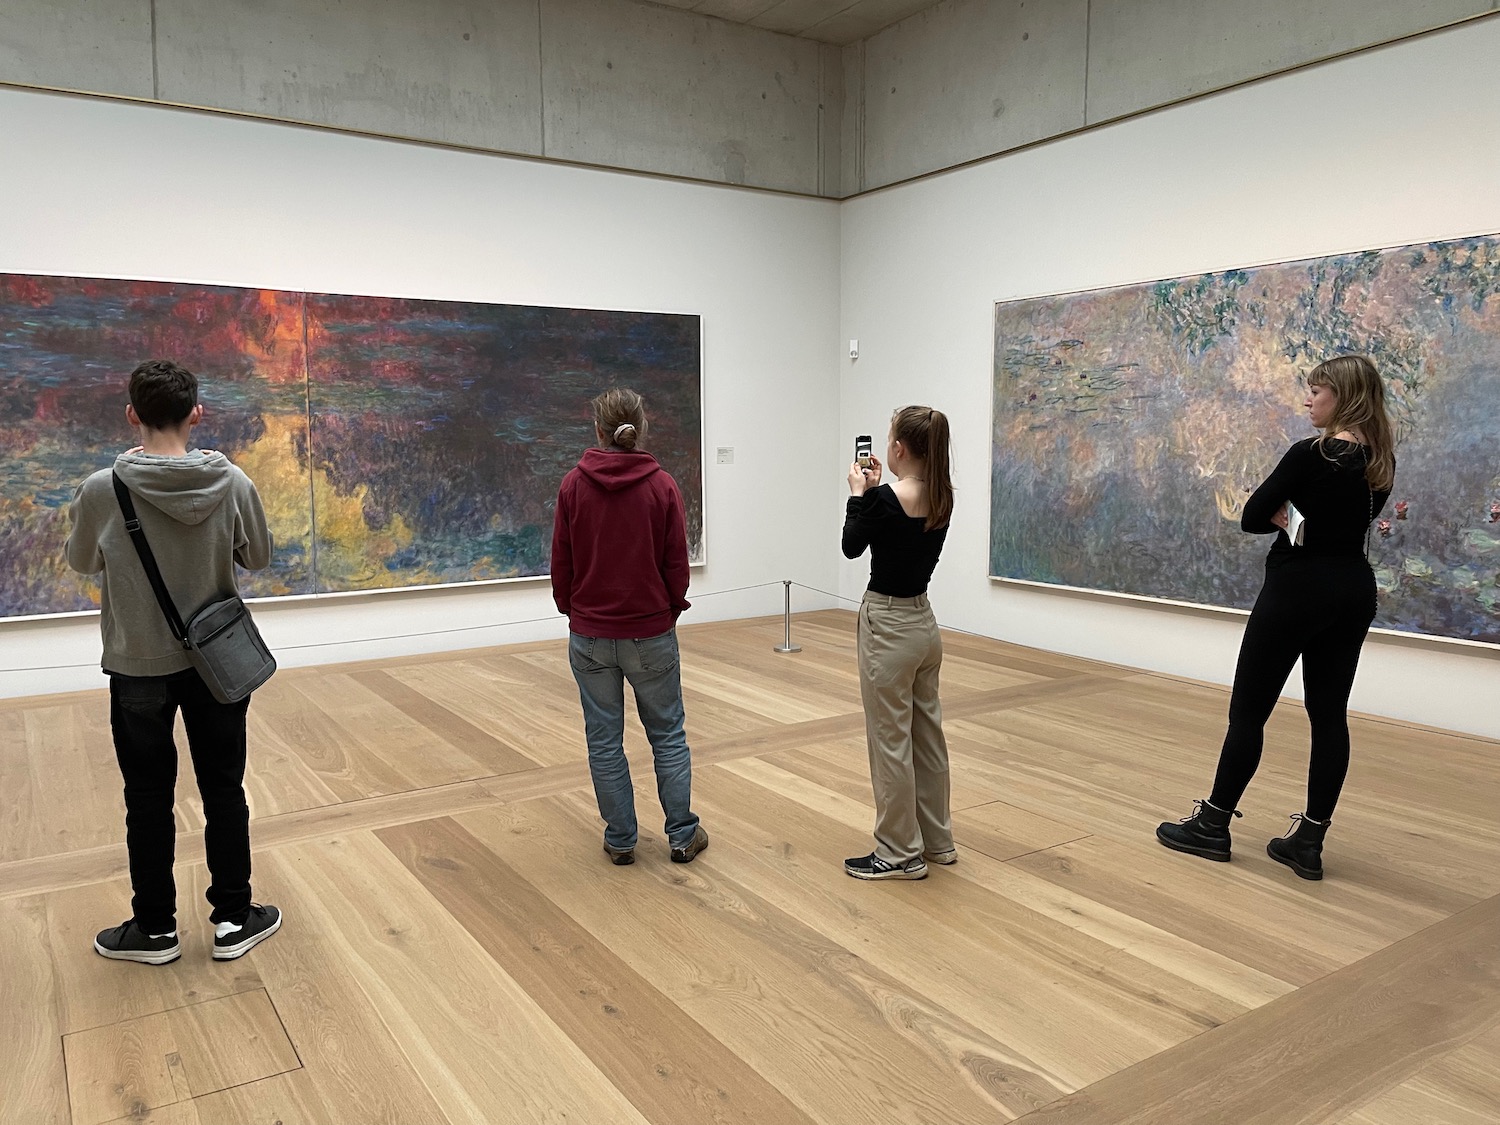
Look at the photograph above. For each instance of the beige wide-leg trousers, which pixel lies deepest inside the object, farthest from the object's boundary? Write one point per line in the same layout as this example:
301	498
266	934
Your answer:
900	654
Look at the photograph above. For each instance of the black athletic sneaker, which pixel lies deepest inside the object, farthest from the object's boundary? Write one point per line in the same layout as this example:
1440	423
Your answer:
873	867
128	942
231	941
694	846
620	856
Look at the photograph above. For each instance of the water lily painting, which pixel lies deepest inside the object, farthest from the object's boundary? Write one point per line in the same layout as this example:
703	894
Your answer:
394	442
1130	425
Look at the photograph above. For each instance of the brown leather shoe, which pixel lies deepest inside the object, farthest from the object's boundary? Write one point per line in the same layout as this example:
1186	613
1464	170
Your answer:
619	857
694	846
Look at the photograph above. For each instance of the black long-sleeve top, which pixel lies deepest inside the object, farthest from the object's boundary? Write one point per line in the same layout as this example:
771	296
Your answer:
1328	487
903	553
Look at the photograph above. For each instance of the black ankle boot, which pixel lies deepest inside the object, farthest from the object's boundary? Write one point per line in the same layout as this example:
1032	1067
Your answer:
1205	833
1301	849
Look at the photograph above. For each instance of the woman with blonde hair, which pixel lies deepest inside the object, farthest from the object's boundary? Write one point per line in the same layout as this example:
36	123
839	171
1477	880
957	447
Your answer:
900	651
1317	603
620	573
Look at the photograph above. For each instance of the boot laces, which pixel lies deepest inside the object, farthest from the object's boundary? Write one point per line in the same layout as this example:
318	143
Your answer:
1298	819
1199	806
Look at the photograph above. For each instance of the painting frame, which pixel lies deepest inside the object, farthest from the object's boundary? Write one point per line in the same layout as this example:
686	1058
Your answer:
1404	637
699	443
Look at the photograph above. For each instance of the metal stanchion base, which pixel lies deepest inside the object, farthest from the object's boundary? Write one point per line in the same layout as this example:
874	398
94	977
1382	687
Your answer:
787	648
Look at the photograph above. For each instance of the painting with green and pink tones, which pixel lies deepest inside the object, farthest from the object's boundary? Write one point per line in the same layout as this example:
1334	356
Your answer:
395	442
1131	424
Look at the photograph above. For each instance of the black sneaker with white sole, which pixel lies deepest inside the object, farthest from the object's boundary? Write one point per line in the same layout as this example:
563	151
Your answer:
873	867
231	941
128	942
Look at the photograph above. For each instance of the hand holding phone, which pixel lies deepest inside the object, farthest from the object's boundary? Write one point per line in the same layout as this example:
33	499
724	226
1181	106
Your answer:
864	473
862	451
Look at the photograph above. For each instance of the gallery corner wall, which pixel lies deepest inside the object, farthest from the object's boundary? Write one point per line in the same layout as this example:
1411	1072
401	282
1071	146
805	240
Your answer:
1383	148
116	189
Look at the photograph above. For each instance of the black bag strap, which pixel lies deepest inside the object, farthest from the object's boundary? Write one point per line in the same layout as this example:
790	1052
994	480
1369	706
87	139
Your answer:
148	560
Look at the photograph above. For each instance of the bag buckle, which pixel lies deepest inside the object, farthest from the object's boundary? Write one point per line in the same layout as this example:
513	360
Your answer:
132	526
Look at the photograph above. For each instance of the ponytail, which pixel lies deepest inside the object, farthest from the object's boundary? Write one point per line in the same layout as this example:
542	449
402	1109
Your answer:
924	431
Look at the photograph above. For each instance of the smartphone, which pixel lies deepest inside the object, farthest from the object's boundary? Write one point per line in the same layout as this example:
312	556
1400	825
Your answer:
862	451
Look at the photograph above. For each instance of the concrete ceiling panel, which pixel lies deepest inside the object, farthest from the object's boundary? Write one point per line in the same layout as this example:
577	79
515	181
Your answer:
463	71
970	78
1145	53
828	21
102	46
633	86
796	16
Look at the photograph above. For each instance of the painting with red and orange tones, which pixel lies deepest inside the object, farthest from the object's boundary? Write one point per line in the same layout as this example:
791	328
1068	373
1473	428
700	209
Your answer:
1131	424
67	347
394	442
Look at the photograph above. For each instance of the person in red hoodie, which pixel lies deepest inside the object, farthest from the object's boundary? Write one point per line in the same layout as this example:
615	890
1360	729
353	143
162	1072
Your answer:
620	573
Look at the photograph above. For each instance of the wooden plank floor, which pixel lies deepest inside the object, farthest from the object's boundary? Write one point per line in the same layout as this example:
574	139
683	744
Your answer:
458	949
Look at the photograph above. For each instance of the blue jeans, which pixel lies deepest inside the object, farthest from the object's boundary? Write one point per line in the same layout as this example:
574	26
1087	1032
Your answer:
601	666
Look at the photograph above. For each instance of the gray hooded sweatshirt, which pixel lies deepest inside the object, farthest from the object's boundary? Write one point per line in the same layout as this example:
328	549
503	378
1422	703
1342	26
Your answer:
200	514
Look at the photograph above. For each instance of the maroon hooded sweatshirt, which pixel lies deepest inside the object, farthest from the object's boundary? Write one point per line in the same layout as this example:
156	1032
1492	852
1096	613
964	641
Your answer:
619	546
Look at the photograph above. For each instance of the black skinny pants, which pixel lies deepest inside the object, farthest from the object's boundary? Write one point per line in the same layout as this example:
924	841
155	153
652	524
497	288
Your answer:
142	710
1319	608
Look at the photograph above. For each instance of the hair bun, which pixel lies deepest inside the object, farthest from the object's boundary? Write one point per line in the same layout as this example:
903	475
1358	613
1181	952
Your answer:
620	417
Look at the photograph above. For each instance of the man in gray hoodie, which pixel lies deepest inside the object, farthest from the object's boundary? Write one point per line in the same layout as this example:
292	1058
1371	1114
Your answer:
200	515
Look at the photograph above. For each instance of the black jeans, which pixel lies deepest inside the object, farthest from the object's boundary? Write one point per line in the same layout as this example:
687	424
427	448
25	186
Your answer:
1318	608
142	710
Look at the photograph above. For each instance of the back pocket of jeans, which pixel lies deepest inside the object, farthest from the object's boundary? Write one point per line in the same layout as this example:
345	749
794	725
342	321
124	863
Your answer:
657	654
581	653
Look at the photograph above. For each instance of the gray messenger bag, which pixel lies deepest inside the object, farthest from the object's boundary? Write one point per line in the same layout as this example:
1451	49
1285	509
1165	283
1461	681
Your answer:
220	639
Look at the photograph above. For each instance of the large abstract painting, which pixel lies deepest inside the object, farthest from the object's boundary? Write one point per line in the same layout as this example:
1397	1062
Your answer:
395	442
1130	424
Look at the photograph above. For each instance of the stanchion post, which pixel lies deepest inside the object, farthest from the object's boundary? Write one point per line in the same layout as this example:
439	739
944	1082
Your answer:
786	620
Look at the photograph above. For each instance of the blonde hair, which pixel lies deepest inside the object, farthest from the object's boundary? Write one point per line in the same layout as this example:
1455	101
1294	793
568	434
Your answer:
924	432
620	415
1361	409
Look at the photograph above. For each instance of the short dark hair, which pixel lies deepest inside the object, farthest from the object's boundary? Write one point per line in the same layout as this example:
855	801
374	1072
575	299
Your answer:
163	393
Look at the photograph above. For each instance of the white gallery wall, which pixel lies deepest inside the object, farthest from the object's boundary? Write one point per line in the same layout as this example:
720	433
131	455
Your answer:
115	189
1389	147
1385	148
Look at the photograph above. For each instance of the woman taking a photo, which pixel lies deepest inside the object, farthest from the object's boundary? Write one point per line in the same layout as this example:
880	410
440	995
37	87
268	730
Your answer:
1317	603
620	573
900	652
